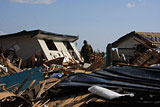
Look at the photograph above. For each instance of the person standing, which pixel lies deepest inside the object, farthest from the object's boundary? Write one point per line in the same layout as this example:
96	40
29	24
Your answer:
86	52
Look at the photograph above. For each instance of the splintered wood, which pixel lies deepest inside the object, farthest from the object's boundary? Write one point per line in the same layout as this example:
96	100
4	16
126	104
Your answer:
74	100
147	58
58	61
40	94
97	64
11	69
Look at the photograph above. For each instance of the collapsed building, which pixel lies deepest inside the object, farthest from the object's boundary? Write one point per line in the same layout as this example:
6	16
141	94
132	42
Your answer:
57	57
132	45
58	84
40	44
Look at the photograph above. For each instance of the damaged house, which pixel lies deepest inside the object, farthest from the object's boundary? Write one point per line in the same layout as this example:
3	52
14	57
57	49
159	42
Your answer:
29	44
134	45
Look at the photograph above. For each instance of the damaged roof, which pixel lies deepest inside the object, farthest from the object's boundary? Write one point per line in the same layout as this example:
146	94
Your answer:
150	37
42	35
131	78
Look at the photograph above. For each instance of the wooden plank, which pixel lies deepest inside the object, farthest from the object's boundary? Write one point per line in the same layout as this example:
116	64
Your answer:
141	42
36	103
155	53
68	100
2	87
83	99
44	103
49	82
6	94
97	63
11	66
13	86
58	61
142	59
55	83
79	100
40	92
54	103
20	63
31	84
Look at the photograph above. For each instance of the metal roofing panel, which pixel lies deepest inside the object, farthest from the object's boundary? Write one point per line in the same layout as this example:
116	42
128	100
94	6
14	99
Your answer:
44	34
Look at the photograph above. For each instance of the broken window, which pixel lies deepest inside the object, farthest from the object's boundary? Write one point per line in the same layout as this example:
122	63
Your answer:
68	45
70	49
50	44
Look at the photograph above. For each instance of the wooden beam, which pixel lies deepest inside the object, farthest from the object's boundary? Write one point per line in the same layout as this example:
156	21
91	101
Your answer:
40	92
141	42
55	83
31	84
155	53
45	103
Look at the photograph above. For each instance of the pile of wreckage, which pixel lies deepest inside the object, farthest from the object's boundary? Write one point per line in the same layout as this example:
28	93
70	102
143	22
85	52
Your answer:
51	72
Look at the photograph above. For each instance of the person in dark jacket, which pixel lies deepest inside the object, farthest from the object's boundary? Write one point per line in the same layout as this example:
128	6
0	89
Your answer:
86	52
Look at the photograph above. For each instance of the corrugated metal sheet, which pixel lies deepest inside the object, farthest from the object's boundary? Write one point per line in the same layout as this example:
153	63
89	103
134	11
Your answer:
127	78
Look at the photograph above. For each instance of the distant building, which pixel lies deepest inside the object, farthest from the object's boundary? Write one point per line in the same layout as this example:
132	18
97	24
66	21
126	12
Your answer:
52	45
127	44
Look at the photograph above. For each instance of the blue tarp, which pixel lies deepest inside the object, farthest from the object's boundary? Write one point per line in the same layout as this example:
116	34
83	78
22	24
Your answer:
56	75
20	77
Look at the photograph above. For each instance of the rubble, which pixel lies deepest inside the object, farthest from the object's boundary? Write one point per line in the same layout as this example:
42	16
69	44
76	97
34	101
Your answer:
135	49
7	68
67	81
35	85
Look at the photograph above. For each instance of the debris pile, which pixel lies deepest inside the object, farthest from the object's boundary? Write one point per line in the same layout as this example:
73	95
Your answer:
7	68
140	49
34	86
55	75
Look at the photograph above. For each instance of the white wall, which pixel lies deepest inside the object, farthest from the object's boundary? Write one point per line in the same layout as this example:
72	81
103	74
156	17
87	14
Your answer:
63	50
45	49
52	54
76	51
29	46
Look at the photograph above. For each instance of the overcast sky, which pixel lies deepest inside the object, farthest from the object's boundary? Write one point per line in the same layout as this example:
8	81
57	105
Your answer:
98	21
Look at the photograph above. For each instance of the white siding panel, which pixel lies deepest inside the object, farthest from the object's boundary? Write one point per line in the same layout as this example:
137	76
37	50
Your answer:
52	54
76	51
45	49
63	50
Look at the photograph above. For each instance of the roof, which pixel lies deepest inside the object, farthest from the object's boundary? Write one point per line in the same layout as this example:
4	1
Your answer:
140	81
45	35
150	37
129	78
